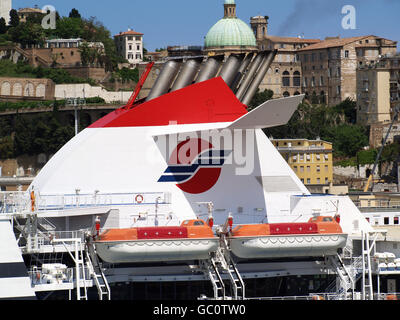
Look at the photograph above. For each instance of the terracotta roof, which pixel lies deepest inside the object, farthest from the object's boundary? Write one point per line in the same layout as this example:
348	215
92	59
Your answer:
129	32
332	43
291	39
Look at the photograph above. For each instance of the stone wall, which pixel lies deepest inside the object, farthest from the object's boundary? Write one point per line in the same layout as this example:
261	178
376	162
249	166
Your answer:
63	91
26	88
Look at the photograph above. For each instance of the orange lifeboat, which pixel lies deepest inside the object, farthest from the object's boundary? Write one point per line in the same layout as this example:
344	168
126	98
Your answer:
192	240
320	236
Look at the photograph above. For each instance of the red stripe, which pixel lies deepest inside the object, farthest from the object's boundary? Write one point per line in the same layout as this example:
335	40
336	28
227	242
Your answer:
205	102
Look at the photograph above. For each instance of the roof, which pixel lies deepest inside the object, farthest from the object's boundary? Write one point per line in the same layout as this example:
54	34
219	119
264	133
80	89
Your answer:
291	39
230	32
332	43
129	32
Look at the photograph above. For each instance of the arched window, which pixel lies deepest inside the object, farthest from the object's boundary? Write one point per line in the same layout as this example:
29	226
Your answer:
285	79
296	79
296	93
286	94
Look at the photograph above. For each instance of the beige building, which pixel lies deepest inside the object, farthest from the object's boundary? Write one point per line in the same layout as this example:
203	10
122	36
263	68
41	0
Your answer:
373	95
5	8
378	90
284	75
130	46
329	67
311	160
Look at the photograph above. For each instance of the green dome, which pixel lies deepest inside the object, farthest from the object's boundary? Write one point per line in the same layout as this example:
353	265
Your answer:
230	32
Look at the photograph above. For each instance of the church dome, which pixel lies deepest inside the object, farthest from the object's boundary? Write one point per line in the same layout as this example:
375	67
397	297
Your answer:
230	31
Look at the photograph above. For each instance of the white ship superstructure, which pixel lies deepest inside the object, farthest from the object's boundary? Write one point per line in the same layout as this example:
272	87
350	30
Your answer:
189	151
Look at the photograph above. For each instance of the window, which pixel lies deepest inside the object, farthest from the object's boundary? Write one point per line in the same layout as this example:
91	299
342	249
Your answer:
308	168
326	180
308	180
286	79
386	220
301	168
130	38
346	53
198	223
321	81
295	168
296	79
138	47
338	90
396	220
318	169
326	168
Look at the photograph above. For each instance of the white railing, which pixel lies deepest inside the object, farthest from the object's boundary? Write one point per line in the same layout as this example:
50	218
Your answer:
14	202
19	202
377	203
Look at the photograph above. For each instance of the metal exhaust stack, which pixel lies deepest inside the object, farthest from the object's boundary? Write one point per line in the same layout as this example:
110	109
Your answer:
241	71
210	68
249	75
187	74
259	77
230	68
164	80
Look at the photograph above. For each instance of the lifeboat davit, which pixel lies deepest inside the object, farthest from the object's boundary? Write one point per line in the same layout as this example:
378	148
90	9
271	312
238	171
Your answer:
320	236
192	240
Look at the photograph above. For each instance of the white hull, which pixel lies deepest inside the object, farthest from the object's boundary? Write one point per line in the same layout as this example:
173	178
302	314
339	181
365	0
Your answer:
287	245
156	250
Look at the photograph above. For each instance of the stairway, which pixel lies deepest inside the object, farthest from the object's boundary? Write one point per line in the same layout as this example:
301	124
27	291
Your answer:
96	272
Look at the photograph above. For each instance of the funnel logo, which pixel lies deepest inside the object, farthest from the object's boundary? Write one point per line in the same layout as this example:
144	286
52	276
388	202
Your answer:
195	166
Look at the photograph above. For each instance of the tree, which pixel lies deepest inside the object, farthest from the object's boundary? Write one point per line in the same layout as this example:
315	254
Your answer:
74	14
3	26
14	18
260	97
27	34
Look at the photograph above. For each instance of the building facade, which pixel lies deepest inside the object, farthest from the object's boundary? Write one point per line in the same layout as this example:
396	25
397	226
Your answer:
285	74
5	8
329	67
311	160
378	90
130	46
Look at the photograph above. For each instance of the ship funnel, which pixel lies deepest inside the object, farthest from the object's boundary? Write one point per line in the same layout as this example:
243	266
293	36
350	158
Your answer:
210	68
230	68
243	67
249	75
164	80
187	74
266	63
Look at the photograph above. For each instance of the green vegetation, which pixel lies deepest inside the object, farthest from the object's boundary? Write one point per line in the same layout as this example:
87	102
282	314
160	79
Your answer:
74	26
21	69
334	124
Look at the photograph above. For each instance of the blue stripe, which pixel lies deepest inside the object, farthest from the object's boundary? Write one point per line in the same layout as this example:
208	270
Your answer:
173	178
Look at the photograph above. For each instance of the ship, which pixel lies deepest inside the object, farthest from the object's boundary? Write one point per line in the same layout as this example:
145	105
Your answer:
183	190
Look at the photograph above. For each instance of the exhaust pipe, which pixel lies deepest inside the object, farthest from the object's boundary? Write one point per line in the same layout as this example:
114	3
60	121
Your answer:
249	75
259	77
241	71
187	74
230	68
210	68
164	80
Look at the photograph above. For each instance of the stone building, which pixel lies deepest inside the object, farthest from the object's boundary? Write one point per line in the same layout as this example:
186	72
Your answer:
284	75
130	46
378	90
329	67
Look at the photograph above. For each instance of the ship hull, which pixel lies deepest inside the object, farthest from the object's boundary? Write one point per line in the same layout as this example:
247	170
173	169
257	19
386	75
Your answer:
287	246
